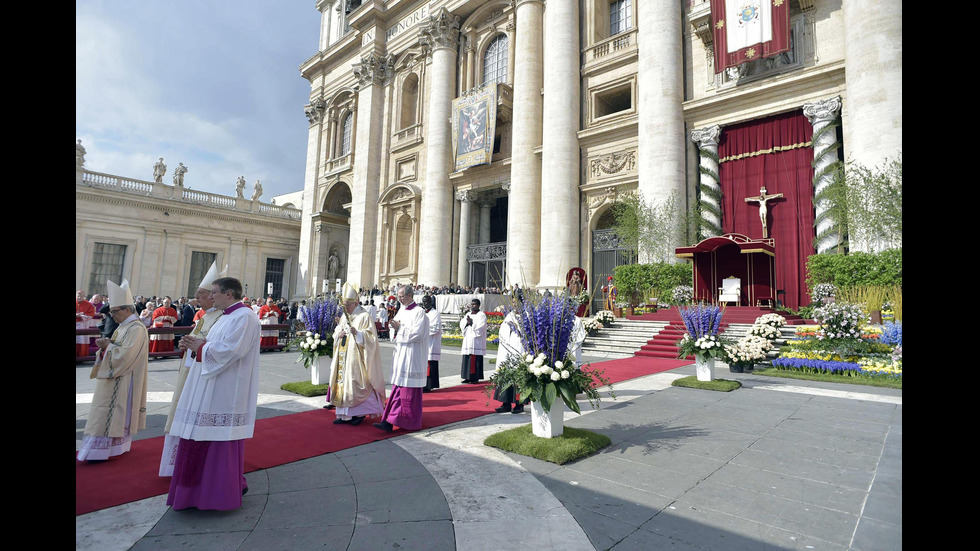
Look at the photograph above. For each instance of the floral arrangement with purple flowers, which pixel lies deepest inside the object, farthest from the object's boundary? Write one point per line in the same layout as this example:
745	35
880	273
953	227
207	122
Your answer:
546	367
701	340
320	318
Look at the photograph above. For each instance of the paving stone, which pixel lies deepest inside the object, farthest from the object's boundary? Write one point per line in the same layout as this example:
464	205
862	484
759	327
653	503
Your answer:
389	462
884	507
194	521
412	499
299	538
323	471
807	453
875	535
790	515
660	481
848	500
221	541
315	507
600	496
829	473
404	536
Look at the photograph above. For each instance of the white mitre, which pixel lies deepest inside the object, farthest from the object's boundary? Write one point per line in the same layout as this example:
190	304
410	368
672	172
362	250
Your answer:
348	292
120	295
211	276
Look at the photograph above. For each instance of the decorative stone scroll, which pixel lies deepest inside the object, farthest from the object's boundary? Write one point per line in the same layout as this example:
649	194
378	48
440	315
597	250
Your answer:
608	196
374	69
624	161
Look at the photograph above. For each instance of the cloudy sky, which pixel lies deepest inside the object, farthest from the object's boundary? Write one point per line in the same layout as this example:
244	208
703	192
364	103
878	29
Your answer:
214	84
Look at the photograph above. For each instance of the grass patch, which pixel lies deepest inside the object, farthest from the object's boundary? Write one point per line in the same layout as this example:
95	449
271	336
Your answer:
458	343
883	382
722	385
571	445
306	388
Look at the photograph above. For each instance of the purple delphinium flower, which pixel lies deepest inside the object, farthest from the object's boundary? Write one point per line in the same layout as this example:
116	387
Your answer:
701	321
545	325
321	315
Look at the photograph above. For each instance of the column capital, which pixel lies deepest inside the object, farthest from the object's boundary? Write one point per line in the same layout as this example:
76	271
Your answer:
825	110
314	111
374	69
465	196
440	31
519	3
709	135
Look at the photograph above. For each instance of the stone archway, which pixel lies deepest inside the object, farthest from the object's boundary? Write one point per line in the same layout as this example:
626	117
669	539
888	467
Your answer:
331	228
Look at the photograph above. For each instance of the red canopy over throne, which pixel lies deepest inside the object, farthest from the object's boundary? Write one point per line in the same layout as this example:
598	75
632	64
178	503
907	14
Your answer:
752	261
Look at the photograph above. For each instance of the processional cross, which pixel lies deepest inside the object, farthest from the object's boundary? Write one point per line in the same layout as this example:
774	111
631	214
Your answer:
762	199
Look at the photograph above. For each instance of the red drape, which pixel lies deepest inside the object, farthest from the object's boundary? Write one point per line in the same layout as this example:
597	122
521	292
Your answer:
774	153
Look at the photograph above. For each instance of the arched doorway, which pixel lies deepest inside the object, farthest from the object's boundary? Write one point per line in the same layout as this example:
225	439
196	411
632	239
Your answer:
608	251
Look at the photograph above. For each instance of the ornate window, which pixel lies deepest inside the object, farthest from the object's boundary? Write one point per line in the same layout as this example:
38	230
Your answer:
620	16
495	60
345	134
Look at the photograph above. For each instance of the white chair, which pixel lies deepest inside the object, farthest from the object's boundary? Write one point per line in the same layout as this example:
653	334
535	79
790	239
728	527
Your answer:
730	290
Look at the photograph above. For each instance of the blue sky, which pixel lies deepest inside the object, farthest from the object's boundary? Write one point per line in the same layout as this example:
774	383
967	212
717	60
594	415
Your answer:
213	84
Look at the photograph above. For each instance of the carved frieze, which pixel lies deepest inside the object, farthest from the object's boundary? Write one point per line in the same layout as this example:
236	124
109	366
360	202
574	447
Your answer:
624	161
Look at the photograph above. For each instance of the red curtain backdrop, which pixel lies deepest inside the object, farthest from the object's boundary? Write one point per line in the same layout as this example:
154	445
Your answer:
775	153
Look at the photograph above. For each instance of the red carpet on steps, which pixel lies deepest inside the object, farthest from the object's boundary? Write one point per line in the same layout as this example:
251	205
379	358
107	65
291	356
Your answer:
288	438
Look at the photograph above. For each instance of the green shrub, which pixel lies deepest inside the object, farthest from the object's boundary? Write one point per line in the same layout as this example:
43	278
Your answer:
857	269
634	281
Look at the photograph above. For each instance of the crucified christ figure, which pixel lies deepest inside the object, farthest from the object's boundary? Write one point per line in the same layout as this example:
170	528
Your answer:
762	199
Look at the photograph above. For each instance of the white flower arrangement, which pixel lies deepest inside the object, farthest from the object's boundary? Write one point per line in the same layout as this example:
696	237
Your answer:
749	350
773	320
605	316
682	294
765	331
592	324
822	291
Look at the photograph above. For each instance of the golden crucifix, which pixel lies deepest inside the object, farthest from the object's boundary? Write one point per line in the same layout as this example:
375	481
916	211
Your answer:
762	199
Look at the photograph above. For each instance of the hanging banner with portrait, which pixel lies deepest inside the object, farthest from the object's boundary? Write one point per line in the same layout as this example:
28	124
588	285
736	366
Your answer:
473	123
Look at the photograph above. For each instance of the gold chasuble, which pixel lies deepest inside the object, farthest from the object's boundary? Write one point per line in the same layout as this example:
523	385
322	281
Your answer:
355	371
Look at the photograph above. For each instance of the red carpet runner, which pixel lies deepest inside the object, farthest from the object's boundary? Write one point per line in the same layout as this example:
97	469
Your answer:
288	438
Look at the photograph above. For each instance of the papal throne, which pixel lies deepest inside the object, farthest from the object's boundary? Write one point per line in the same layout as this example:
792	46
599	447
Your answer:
730	291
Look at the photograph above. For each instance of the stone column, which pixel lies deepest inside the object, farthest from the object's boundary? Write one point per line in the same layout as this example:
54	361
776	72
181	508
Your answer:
524	207
560	157
307	249
470	61
660	133
326	23
440	35
707	140
485	205
511	40
465	212
373	73
873	109
823	118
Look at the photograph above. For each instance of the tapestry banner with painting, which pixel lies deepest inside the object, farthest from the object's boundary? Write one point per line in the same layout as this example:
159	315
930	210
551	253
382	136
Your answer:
745	30
473	123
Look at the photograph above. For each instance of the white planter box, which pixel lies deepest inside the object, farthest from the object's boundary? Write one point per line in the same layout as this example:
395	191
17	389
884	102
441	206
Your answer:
705	369
548	424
